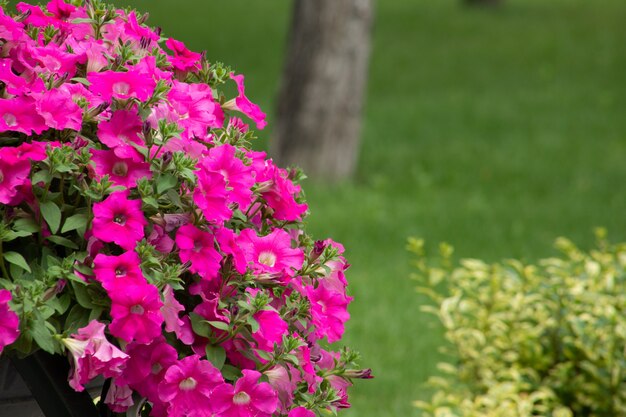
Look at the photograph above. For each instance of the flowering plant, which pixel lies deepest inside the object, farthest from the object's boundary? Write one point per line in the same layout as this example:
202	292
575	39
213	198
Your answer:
140	235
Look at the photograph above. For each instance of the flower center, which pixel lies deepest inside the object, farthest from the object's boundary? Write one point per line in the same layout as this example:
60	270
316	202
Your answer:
119	219
120	272
267	258
120	169
1	176
137	309
241	398
156	368
197	246
10	119
122	88
187	384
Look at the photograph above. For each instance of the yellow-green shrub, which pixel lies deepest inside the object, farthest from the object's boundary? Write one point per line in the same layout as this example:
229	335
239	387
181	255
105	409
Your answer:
530	340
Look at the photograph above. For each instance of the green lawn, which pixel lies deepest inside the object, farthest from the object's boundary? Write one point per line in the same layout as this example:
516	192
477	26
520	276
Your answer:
496	131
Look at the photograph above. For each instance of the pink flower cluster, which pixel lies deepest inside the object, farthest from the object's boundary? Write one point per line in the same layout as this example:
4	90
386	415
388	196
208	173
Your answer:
189	245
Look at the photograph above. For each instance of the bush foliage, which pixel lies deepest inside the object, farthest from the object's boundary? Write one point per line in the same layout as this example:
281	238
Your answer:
529	340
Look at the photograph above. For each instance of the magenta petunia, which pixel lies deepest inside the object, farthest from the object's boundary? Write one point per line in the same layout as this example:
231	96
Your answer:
271	329
136	313
193	107
244	105
59	110
115	272
271	254
92	355
147	365
281	195
19	114
14	173
211	196
9	321
187	387
119	397
173	323
160	240
329	312
121	131
198	248
301	412
119	220
239	179
124	172
248	398
183	59
121	85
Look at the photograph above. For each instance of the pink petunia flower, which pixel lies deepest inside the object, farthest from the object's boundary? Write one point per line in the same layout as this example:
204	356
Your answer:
121	85
136	313
198	247
192	106
124	172
14	173
244	105
59	110
271	329
115	272
183	59
173	323
119	397
19	114
92	355
121	131
271	254
187	387
329	312
120	220
160	240
147	366
301	412
281	193
248	398
211	196
9	321
239	178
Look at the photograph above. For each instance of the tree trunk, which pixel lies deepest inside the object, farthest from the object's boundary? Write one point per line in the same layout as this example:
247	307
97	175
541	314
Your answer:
323	87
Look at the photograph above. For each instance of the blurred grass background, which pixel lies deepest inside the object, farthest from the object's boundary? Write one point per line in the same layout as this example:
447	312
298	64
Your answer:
494	130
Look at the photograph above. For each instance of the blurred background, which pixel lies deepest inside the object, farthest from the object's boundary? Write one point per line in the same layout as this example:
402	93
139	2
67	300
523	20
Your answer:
496	129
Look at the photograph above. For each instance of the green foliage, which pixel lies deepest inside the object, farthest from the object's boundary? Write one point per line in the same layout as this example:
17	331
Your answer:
530	340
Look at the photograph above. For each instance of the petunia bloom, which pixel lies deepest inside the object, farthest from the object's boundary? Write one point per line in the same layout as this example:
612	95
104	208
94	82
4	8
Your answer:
120	220
248	398
136	313
9	322
187	387
92	355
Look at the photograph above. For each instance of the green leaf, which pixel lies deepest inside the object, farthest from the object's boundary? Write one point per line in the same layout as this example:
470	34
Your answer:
82	296
78	317
219	325
42	336
77	221
81	80
26	224
166	182
254	325
51	214
62	241
216	355
231	373
199	325
17	259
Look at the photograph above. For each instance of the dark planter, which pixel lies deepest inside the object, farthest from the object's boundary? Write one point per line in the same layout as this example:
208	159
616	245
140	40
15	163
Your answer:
37	386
